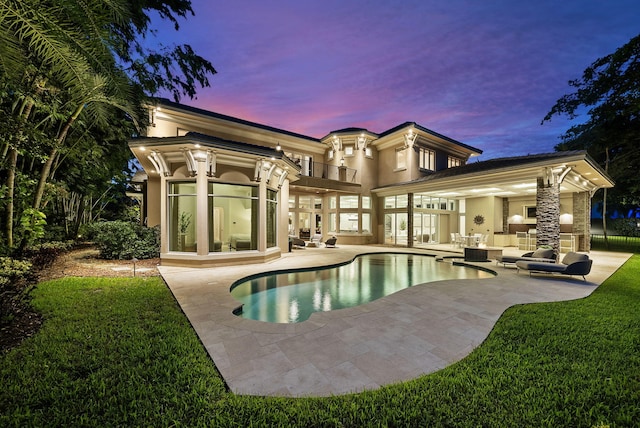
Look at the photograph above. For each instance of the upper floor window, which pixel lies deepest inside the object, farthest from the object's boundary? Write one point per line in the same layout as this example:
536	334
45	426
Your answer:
427	159
368	152
331	154
348	150
401	158
453	162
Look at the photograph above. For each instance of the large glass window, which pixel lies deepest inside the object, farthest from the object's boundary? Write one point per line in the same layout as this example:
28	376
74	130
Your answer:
349	201
349	222
233	214
182	216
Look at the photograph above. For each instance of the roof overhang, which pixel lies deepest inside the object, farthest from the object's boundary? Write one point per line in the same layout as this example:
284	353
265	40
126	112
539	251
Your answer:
226	152
581	174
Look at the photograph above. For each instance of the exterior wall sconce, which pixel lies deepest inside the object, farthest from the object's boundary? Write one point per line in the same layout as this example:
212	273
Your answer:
342	162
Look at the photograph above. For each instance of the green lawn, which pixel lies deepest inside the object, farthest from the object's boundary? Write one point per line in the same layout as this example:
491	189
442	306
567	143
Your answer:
119	352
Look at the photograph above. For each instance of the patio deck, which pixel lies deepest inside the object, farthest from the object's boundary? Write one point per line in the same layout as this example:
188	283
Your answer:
413	332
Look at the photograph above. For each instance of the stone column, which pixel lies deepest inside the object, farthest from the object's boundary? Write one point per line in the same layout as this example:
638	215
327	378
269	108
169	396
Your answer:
582	220
548	213
505	216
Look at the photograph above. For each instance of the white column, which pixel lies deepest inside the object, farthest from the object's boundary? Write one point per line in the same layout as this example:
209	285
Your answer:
202	234
262	216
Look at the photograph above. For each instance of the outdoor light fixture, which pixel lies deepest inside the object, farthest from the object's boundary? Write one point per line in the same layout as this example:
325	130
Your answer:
278	147
342	162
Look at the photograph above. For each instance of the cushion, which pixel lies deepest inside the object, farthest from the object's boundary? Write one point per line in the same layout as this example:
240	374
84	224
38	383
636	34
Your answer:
572	257
543	253
540	266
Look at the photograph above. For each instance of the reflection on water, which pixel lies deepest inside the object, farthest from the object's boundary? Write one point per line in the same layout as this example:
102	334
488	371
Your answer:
293	297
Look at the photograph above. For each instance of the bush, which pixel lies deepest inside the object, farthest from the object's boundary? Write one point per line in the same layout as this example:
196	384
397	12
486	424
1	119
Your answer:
124	240
12	270
43	255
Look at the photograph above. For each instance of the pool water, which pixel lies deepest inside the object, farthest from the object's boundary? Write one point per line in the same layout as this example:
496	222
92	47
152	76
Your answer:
289	297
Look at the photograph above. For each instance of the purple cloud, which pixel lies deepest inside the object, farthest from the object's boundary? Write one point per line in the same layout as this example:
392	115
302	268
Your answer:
484	73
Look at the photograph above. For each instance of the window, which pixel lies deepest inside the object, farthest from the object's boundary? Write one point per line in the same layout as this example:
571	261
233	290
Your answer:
233	214
182	216
304	202
332	202
401	158
366	223
427	159
453	162
368	152
330	154
332	222
366	202
349	222
349	201
348	151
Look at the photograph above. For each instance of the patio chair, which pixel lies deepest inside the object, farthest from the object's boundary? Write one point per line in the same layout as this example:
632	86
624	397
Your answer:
542	255
297	242
331	242
315	240
572	264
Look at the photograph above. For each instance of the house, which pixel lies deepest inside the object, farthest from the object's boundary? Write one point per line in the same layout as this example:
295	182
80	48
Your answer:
229	191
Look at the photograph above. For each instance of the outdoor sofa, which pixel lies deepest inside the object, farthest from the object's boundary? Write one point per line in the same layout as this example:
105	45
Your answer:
542	255
572	264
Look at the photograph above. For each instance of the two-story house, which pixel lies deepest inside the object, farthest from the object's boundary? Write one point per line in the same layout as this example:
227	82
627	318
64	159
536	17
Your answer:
229	191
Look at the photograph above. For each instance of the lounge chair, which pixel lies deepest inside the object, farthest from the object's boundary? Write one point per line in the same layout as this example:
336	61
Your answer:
297	242
572	264
331	242
542	255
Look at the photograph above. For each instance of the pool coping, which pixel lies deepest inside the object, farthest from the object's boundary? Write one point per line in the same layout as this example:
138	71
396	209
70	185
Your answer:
399	337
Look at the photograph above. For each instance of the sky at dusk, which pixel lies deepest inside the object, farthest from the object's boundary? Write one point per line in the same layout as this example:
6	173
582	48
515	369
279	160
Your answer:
482	72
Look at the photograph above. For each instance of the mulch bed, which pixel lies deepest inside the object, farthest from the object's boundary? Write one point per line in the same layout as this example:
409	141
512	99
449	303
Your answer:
82	262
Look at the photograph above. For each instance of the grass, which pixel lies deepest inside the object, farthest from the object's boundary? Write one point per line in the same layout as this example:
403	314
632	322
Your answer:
119	352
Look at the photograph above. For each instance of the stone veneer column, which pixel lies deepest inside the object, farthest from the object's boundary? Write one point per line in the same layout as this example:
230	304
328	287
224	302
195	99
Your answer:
548	214
582	220
505	215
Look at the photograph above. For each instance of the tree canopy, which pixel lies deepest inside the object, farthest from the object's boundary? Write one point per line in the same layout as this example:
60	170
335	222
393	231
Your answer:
609	94
74	78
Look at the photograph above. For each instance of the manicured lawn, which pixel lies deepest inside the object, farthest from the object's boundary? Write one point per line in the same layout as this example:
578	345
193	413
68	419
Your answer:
120	352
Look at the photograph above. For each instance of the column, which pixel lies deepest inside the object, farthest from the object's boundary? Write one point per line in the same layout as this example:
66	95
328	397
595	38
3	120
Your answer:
548	213
202	234
582	220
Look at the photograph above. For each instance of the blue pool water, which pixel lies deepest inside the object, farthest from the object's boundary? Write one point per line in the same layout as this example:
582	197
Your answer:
290	297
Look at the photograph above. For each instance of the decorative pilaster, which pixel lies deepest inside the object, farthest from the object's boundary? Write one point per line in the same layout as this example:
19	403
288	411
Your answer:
582	220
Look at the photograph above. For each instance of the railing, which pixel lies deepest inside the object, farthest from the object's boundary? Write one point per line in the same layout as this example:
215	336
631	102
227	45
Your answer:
330	172
615	243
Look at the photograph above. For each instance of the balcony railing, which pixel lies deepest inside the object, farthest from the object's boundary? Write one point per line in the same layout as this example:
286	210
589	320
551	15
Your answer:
330	172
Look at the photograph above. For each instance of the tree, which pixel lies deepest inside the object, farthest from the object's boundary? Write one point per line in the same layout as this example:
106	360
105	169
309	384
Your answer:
70	62
609	92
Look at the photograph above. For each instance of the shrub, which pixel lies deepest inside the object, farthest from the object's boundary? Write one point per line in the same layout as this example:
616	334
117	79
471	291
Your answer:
12	270
43	255
124	240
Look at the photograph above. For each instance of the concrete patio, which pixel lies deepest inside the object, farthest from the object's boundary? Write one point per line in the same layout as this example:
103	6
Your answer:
402	336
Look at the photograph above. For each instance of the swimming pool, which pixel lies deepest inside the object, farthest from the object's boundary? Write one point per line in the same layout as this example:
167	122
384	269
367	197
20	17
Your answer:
290	297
